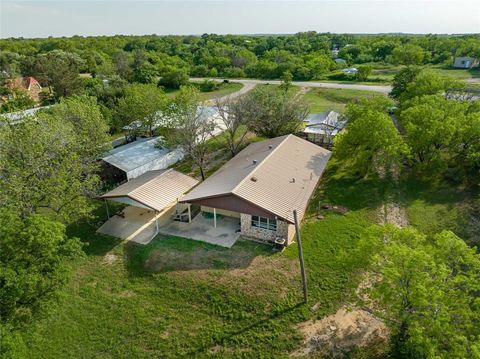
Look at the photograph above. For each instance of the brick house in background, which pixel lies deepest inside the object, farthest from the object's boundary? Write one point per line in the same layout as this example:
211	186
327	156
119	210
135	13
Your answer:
28	84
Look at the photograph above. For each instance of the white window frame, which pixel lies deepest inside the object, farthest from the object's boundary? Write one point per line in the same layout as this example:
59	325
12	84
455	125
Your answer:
264	223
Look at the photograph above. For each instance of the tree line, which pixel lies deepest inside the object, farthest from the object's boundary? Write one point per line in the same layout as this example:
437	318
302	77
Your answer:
170	60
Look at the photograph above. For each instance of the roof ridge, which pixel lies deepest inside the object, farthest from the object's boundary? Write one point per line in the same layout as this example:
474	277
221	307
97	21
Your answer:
256	167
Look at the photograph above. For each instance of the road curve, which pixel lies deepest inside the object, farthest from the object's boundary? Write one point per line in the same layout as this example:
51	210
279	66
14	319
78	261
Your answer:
248	84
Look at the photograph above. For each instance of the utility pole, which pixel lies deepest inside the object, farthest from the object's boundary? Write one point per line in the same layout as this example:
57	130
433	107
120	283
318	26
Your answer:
300	257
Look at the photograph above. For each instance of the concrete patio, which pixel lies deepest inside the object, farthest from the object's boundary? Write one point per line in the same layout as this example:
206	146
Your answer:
202	229
137	225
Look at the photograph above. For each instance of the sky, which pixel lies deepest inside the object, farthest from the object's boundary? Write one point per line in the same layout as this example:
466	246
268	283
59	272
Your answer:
40	18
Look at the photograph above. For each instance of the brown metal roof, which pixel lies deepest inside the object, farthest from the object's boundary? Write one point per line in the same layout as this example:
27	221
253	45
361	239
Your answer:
277	175
155	189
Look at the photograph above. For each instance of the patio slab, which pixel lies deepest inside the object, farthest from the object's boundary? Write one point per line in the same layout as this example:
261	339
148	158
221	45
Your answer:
137	225
202	229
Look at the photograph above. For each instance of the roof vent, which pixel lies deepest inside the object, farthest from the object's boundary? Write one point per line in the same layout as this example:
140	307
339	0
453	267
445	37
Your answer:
253	179
254	162
270	147
292	180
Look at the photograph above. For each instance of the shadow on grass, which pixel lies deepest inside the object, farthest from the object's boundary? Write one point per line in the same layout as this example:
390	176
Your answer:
230	336
95	244
168	254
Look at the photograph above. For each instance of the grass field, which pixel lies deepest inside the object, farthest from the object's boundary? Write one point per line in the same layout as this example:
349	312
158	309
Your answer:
321	100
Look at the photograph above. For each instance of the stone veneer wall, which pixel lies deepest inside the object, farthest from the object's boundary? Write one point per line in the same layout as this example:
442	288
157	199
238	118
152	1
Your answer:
263	234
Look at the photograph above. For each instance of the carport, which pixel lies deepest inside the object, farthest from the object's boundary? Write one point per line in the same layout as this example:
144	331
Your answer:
151	200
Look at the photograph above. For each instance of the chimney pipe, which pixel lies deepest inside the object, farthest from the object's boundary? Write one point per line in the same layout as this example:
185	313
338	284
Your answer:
254	162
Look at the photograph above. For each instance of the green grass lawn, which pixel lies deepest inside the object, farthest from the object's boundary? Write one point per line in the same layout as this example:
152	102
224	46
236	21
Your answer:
432	208
321	100
180	298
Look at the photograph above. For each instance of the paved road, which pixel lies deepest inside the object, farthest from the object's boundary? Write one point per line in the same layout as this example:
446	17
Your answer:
248	84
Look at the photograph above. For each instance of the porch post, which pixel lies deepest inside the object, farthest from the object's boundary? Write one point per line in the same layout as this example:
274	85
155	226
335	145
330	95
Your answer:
215	217
106	206
189	214
156	220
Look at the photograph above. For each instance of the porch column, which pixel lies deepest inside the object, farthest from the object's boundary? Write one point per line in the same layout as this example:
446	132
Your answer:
106	206
189	214
156	220
215	217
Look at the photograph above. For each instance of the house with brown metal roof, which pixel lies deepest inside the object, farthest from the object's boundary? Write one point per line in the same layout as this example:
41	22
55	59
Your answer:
262	185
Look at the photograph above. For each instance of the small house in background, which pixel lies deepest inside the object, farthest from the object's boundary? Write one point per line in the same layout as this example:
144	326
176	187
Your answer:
321	128
27	84
134	159
465	62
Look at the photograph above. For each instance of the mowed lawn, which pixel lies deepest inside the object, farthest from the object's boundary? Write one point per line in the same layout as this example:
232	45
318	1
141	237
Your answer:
321	100
176	297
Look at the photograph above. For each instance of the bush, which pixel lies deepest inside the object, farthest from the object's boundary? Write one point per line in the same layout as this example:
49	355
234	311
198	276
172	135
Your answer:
173	77
208	86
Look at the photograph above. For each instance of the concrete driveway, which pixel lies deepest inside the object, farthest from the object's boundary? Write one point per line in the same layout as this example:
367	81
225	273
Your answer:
202	229
311	84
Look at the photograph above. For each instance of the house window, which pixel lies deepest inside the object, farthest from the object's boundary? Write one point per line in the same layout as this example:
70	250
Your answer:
264	223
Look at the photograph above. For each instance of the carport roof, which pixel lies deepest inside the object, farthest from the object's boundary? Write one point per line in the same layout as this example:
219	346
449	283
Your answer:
154	189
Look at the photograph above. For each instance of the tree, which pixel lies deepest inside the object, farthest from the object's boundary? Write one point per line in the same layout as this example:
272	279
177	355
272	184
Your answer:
426	83
428	291
49	163
363	72
60	71
407	55
287	78
431	124
234	114
34	261
401	79
274	112
142	103
173	77
20	101
370	144
190	127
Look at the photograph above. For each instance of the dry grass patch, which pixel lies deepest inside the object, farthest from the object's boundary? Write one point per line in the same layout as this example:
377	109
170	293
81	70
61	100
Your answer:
251	268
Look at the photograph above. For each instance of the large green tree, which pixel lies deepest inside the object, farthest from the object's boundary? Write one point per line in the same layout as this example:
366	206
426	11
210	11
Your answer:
428	291
142	103
49	163
58	70
274	112
370	144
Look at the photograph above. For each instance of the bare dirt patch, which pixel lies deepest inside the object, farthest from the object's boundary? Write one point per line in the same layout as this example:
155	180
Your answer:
110	258
340	333
393	213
